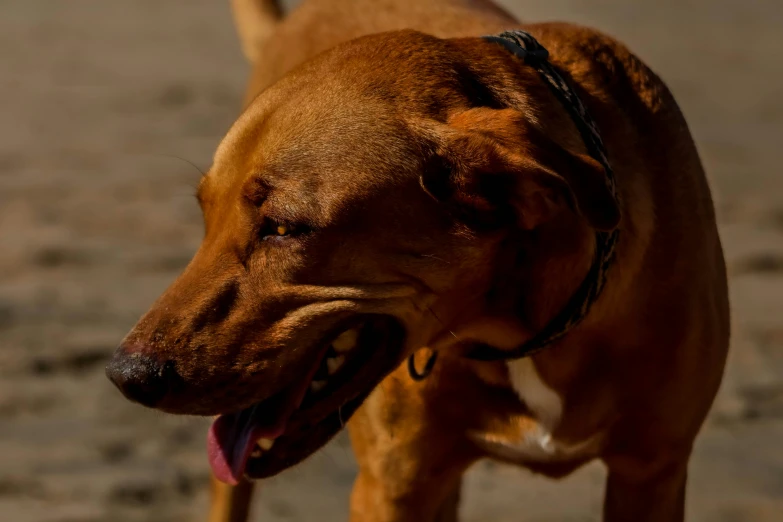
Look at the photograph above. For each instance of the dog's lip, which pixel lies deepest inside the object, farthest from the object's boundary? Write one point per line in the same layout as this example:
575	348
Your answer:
294	444
315	423
232	437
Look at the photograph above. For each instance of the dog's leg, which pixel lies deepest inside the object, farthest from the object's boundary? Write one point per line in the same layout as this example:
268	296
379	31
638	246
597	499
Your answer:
411	458
449	509
390	500
230	503
638	490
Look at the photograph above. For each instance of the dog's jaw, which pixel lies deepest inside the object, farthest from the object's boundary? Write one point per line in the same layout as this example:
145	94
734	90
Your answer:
303	417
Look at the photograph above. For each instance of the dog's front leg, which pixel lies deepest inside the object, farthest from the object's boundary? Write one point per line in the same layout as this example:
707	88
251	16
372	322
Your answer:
230	503
638	490
411	460
380	501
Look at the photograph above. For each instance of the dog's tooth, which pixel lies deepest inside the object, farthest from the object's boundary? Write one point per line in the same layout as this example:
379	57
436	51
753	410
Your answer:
334	363
265	444
317	386
256	452
346	341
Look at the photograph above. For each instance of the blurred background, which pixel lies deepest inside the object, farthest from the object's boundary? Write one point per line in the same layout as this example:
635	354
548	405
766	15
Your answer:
103	104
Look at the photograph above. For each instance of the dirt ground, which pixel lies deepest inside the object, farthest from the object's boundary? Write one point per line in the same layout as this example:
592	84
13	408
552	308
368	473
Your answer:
102	103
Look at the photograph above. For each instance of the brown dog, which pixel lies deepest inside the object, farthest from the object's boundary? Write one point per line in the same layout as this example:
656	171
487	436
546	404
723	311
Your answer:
401	183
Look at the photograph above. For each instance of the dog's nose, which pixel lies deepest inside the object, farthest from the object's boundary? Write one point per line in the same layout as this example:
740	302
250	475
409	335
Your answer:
140	377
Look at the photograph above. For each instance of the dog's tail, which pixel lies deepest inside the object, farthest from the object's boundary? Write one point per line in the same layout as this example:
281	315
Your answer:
255	21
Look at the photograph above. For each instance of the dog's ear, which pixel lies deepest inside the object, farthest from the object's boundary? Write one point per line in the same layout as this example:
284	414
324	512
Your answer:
495	167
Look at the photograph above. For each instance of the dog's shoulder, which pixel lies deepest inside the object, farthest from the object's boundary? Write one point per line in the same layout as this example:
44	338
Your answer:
602	64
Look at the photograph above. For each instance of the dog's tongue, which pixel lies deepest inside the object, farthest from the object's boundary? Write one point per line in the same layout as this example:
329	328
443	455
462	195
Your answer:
231	440
232	436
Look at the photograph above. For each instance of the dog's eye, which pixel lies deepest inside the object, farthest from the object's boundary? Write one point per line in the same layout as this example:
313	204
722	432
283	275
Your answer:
277	230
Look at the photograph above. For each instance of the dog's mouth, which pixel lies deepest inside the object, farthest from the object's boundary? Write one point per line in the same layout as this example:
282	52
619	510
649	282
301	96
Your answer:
274	434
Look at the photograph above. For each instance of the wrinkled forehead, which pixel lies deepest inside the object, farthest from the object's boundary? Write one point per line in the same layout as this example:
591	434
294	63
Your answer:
316	140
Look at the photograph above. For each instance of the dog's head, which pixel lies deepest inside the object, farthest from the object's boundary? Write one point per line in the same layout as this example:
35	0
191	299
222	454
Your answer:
355	212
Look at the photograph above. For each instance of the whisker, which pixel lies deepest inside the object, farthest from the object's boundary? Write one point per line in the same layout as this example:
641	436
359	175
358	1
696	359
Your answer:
193	186
441	322
432	256
185	160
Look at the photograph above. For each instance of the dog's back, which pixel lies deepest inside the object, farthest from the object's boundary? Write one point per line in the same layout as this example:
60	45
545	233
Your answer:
275	44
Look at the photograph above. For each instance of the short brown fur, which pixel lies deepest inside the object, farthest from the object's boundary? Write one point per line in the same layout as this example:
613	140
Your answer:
352	108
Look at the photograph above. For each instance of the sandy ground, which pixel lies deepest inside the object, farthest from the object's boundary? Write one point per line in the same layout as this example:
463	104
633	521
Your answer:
100	100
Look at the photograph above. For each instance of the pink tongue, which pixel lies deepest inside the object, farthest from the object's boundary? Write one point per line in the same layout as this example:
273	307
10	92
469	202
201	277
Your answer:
231	440
232	437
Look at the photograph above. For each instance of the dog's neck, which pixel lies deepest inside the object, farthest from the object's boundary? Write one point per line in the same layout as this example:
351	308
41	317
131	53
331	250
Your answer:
537	273
551	263
562	264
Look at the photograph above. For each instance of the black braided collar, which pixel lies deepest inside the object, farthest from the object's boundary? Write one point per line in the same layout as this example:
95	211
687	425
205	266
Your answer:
524	46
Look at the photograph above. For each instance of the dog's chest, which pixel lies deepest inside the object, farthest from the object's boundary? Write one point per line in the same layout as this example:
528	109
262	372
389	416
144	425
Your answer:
534	440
